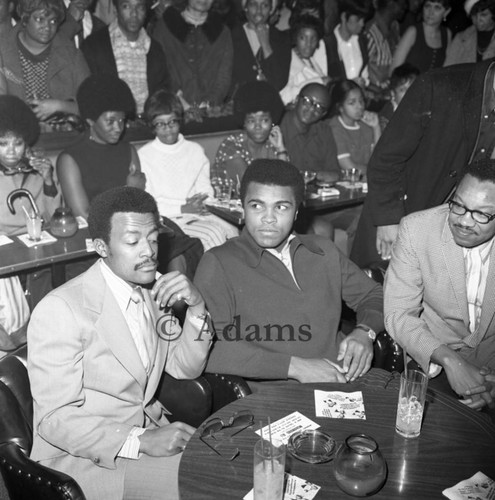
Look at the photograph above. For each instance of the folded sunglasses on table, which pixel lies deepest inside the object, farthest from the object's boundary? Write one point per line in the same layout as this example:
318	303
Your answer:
217	433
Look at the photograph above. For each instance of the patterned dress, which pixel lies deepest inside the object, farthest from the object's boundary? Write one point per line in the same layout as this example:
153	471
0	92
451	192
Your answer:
235	147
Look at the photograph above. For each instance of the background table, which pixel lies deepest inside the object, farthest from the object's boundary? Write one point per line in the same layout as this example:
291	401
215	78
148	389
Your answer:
16	256
348	198
454	444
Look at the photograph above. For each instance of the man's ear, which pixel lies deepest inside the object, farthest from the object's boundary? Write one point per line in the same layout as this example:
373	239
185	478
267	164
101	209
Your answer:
90	122
101	247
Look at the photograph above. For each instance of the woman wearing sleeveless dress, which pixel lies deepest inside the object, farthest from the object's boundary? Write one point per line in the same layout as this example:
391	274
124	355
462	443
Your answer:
424	45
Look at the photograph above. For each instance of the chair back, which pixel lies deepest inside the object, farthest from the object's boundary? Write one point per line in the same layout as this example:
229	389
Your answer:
226	388
388	354
24	478
16	402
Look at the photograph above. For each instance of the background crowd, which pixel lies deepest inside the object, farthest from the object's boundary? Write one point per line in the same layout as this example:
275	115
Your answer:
313	82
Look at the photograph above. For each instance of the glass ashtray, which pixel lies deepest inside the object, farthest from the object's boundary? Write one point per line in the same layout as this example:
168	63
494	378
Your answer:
312	446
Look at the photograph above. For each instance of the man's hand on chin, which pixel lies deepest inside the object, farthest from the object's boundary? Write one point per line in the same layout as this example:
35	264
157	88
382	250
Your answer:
356	351
315	370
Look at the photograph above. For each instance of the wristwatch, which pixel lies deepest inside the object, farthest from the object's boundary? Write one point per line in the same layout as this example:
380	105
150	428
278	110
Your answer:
371	333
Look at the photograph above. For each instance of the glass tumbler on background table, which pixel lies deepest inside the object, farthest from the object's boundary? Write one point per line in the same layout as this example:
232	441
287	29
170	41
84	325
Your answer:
412	396
352	176
269	470
33	226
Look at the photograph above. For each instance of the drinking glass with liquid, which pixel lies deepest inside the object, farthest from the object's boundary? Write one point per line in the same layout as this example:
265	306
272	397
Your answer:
269	470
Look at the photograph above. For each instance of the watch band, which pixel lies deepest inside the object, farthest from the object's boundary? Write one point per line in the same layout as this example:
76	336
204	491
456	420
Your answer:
371	333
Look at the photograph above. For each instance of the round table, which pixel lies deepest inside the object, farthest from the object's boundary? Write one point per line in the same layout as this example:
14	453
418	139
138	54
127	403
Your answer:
455	443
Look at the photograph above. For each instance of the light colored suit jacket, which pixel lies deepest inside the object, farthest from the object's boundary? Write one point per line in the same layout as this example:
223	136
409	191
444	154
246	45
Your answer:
88	382
425	291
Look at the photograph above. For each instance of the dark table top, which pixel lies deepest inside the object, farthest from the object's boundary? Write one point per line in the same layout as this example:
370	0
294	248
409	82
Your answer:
347	198
455	443
16	256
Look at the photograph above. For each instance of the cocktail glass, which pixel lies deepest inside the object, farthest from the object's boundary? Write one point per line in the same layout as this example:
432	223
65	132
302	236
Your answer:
308	176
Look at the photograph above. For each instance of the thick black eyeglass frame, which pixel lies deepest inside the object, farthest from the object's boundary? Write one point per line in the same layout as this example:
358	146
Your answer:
454	204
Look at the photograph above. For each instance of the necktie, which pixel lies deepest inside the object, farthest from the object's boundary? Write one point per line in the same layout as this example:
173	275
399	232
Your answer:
145	331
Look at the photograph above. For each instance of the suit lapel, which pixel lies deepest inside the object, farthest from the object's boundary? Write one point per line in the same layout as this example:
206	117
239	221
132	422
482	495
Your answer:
111	324
454	263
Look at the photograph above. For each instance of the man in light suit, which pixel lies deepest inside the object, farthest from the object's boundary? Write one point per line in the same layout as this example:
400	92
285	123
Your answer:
440	288
97	352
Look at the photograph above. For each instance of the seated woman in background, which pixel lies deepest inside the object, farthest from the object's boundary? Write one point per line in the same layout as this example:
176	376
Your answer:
261	51
178	173
355	131
309	57
198	48
19	129
40	66
476	43
257	105
424	45
102	160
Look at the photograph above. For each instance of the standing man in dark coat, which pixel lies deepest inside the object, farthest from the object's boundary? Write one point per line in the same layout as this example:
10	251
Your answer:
445	121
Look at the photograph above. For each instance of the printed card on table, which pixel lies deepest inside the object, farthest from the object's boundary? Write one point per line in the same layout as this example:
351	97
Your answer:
5	240
295	489
81	222
45	238
283	428
339	404
478	487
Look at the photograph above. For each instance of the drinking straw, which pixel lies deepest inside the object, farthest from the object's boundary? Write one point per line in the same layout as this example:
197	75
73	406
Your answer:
271	443
262	442
404	352
26	212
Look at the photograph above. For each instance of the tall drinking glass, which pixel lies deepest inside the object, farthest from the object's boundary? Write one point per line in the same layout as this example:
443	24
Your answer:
269	469
412	396
34	226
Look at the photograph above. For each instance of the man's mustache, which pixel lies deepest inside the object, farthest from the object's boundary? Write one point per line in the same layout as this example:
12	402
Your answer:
145	263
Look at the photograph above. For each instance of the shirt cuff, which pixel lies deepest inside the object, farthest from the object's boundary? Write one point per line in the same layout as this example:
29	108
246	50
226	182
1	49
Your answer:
130	449
201	321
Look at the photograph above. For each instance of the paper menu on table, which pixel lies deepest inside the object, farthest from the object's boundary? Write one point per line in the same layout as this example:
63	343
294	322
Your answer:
284	427
337	404
45	238
295	489
477	487
81	222
5	240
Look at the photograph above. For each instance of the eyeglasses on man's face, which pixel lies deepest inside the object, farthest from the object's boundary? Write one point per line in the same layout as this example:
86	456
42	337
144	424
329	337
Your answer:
479	217
310	102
